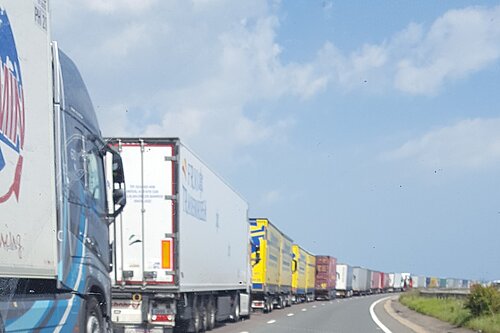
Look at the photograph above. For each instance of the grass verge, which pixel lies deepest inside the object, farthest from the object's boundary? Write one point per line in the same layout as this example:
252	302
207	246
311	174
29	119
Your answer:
451	310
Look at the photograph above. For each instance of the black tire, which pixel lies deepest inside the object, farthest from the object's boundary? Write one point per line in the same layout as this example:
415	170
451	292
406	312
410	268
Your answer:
236	309
195	322
93	321
266	306
211	315
203	316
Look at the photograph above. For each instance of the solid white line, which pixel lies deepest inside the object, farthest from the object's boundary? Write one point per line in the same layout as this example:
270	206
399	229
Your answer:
375	318
272	321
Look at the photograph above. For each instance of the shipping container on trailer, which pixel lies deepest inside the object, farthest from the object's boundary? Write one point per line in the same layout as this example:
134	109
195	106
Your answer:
182	246
344	280
442	283
54	167
326	277
361	281
271	266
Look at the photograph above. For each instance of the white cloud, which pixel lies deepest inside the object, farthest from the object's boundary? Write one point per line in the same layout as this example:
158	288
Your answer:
417	60
468	144
112	6
191	67
457	44
197	69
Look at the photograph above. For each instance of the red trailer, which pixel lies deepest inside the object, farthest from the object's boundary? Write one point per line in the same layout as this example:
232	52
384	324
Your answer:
326	275
376	283
387	282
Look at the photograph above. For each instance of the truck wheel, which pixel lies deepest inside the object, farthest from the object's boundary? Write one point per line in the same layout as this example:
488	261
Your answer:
195	322
94	322
271	306
236	309
203	317
211	316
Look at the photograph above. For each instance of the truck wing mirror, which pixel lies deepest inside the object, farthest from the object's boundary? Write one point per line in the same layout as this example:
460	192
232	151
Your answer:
118	175
117	196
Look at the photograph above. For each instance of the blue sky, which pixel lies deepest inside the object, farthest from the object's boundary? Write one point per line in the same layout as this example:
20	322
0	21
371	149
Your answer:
369	131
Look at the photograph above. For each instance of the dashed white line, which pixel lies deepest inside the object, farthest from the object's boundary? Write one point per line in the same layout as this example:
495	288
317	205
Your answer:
304	310
375	318
289	315
315	306
323	304
272	321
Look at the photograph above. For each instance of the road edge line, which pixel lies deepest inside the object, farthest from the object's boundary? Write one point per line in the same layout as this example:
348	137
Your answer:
411	325
374	316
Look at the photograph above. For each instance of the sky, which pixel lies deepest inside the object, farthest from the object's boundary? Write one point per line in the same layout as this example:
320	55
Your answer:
366	130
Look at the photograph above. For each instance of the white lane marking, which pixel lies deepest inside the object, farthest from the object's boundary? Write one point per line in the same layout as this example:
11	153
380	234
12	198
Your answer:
331	302
289	315
244	332
304	310
375	318
315	306
272	321
323	304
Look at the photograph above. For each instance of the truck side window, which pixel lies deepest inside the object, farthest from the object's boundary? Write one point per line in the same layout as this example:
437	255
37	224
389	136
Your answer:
94	178
75	164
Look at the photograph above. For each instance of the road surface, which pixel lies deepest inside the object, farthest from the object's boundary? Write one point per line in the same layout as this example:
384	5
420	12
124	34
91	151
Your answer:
351	315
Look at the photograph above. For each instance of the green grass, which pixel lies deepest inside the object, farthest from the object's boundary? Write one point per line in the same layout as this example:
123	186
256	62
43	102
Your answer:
487	324
451	310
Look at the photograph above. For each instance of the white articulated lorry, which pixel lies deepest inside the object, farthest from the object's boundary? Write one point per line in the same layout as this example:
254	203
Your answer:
182	245
55	207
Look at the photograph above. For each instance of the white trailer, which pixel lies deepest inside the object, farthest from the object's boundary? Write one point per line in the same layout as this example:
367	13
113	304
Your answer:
344	280
182	244
361	281
395	282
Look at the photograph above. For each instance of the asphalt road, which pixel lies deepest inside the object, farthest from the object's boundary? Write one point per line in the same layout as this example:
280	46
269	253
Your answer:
350	315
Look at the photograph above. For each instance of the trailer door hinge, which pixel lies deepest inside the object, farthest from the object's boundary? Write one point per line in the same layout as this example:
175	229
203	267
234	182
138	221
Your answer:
171	197
170	158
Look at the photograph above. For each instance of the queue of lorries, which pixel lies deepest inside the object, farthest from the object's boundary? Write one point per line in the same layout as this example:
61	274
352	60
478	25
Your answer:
130	234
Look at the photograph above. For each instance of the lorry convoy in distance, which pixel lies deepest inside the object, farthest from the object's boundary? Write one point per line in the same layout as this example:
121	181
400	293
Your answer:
187	255
130	234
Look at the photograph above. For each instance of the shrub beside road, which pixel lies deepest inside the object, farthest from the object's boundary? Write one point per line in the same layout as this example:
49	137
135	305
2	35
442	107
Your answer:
479	311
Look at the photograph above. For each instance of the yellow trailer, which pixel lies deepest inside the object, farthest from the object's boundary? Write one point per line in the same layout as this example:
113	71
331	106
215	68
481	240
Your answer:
310	276
304	274
271	266
433	282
